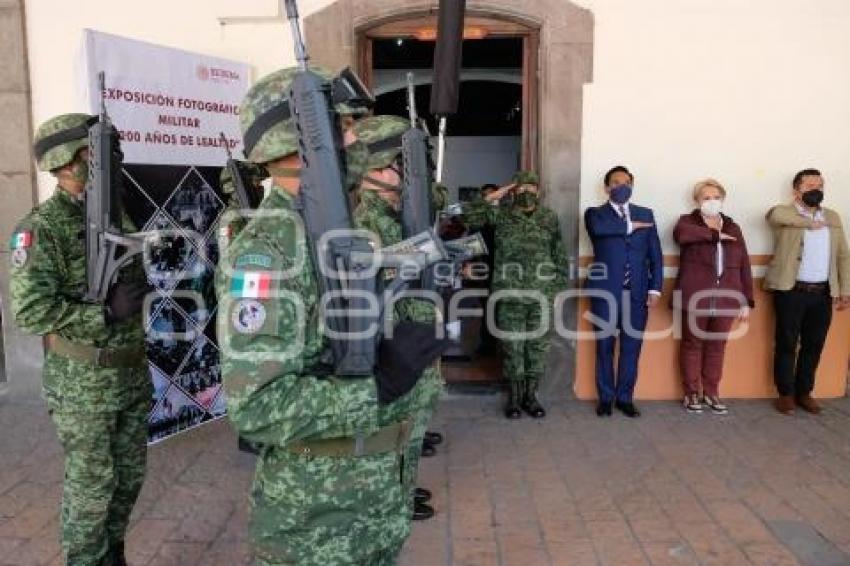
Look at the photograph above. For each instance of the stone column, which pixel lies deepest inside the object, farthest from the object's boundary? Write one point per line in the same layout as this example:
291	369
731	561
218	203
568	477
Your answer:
22	355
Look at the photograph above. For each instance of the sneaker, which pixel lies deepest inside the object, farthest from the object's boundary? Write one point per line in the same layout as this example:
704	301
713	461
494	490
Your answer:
716	405
692	403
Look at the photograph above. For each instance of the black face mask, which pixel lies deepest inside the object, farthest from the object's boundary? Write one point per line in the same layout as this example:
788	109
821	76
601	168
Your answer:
813	198
525	200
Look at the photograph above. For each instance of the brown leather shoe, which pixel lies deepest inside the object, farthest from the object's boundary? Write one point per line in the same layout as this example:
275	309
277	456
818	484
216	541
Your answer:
785	404
809	405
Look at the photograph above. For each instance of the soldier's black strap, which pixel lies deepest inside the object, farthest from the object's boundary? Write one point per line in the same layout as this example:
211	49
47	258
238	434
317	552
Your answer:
384	145
380	184
275	114
62	136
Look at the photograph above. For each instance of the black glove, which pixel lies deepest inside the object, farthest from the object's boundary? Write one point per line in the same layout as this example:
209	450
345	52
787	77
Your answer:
402	359
125	300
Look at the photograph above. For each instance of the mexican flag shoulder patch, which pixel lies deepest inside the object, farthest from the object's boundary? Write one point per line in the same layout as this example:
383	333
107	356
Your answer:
251	284
21	239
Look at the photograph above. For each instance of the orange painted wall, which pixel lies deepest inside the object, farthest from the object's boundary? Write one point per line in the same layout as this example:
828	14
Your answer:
748	370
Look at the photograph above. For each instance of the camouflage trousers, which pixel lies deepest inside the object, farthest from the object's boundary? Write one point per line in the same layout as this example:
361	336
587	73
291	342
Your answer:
431	388
105	455
319	510
525	359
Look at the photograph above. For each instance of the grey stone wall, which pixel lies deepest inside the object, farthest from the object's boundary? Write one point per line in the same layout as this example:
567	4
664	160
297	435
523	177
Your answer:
22	354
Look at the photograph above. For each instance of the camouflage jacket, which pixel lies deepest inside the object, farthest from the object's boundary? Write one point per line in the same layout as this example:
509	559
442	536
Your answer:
47	281
529	252
377	216
307	508
271	340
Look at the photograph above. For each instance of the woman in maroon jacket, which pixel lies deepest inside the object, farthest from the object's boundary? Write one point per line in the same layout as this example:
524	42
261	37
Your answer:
713	258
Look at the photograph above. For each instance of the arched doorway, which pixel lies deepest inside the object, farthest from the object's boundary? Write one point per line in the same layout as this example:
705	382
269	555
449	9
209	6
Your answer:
558	55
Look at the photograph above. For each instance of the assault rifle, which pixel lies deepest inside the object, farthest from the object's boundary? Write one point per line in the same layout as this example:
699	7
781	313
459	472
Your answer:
248	199
345	261
417	213
107	247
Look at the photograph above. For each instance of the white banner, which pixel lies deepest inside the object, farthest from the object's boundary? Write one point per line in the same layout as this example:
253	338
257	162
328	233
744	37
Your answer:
170	106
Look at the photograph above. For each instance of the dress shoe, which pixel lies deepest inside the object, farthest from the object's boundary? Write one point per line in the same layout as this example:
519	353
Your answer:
434	438
421	495
428	449
808	404
533	407
512	410
604	409
628	409
785	404
422	511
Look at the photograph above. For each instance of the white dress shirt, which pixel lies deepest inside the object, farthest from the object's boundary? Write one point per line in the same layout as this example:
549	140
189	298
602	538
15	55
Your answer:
719	266
623	212
814	265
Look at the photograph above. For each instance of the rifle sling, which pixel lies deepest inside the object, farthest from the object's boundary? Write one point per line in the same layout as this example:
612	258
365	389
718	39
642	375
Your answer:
384	145
380	184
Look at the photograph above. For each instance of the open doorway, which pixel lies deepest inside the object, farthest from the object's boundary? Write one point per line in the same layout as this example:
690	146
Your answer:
493	135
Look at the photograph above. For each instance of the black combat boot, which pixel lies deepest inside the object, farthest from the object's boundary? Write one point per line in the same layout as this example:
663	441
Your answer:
117	554
512	410
530	404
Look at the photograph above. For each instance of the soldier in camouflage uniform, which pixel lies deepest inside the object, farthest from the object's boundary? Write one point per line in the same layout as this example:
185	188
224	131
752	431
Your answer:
95	379
378	212
328	487
529	257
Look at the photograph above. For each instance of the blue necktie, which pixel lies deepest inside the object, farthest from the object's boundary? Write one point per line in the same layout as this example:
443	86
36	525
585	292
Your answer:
627	269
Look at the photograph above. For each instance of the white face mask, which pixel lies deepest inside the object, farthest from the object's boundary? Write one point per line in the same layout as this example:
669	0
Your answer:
711	207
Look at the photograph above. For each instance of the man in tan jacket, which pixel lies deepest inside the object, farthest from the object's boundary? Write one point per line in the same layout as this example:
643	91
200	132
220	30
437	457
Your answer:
809	275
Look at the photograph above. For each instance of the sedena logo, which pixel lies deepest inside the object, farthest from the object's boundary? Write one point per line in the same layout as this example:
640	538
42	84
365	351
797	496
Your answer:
216	74
203	72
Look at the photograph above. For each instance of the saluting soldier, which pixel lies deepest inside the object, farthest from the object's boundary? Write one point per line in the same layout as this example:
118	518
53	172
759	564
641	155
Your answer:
95	379
529	258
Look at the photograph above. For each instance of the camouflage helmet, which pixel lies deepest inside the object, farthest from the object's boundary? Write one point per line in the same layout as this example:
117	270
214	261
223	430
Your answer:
264	142
59	139
382	136
526	178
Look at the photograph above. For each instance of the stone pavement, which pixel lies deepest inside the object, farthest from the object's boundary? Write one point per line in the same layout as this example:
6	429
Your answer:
670	488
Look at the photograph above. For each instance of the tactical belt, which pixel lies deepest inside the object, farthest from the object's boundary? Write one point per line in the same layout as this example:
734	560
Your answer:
391	438
101	357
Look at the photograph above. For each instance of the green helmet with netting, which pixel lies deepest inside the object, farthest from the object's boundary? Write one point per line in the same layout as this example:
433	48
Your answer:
59	139
382	136
526	178
265	118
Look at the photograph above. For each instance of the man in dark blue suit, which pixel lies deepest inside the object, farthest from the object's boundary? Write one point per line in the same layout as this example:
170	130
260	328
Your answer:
626	275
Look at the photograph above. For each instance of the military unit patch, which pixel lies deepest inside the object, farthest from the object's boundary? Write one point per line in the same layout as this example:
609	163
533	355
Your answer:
19	257
260	260
251	284
248	316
